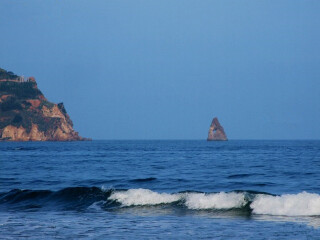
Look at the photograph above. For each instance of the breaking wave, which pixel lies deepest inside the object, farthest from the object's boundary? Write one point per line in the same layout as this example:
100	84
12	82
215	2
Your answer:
145	197
134	197
82	198
220	200
301	204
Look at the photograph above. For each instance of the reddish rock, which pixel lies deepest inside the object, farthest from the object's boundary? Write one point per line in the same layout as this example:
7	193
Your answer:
216	131
34	102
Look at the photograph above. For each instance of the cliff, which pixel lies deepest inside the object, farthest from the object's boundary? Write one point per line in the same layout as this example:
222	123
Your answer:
216	131
26	115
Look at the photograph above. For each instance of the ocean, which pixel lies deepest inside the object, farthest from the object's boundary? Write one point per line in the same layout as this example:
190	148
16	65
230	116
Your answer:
160	190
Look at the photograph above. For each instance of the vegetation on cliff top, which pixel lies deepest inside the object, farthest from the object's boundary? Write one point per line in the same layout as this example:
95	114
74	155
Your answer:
22	90
7	75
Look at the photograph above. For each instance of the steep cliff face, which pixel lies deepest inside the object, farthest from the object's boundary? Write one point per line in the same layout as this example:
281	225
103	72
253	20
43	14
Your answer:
26	115
216	131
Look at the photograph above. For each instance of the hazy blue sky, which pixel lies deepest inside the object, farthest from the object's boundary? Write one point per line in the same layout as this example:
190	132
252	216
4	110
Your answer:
163	69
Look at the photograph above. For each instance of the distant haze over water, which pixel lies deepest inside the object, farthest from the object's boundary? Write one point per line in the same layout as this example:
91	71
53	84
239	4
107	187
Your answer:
164	69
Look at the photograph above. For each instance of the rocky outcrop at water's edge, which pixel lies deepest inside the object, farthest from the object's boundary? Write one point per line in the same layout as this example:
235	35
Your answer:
26	115
216	131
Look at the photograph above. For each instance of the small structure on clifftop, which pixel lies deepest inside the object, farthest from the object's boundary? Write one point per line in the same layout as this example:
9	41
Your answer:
216	131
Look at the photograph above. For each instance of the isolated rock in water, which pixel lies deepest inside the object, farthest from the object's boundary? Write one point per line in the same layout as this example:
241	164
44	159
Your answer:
26	115
216	131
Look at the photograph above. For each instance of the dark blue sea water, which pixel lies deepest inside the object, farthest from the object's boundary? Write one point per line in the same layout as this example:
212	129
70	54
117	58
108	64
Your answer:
160	190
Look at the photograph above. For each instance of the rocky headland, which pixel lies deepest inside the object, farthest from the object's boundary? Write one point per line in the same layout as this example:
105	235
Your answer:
216	131
26	115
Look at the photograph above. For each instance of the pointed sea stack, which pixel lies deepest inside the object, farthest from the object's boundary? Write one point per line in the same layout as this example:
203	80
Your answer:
26	115
216	131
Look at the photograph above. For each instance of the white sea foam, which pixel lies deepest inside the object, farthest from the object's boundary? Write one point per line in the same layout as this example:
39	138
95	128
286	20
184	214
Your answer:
220	200
302	204
134	197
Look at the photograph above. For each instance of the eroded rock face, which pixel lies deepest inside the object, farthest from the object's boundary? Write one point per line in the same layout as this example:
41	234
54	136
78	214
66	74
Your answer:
216	131
26	115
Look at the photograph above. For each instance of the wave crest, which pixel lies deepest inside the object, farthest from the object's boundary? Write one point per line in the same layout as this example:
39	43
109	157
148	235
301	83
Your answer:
301	204
220	200
135	197
140	197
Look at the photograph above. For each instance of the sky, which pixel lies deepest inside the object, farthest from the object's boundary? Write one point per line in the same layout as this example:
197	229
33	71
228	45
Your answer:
163	69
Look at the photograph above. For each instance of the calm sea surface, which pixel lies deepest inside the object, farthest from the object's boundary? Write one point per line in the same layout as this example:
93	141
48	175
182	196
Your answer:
160	190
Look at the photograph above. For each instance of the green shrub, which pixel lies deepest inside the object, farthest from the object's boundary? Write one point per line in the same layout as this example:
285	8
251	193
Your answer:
24	90
10	104
7	75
